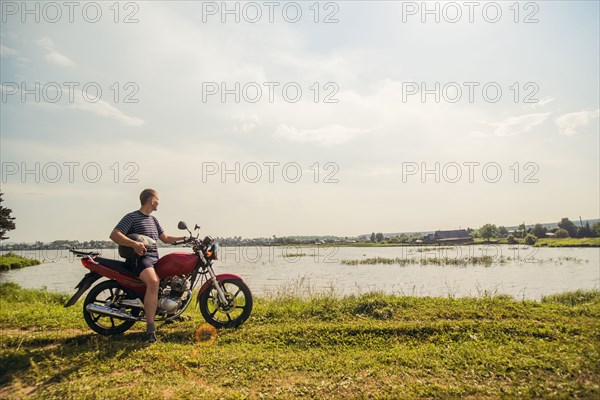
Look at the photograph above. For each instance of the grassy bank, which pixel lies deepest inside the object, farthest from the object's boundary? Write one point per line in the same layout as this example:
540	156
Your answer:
10	261
568	242
325	347
547	242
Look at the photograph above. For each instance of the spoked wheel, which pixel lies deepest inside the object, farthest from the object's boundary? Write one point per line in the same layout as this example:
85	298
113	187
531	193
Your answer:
108	294
230	315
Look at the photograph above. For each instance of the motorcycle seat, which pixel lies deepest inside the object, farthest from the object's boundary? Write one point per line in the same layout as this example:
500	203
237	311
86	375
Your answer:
124	267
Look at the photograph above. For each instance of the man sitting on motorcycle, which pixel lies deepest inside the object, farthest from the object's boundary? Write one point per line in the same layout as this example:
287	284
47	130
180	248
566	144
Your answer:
141	222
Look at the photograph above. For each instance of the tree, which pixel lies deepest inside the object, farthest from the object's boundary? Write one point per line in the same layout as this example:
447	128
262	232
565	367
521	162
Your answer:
530	239
6	221
585	231
379	237
488	231
373	237
539	231
596	229
568	226
502	231
511	239
561	233
521	231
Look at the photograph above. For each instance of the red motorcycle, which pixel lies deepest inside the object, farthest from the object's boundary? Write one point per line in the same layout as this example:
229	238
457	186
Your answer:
114	305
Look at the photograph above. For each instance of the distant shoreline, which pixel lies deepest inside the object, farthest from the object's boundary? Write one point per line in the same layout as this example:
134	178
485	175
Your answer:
542	242
545	242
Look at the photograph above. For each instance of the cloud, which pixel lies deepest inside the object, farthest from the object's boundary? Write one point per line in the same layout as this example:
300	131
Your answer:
53	56
7	51
568	123
542	102
104	109
514	126
325	136
246	123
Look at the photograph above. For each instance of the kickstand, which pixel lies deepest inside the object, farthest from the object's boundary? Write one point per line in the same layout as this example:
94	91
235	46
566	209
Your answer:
179	318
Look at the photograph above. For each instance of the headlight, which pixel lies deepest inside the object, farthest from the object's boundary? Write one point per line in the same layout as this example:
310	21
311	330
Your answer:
212	252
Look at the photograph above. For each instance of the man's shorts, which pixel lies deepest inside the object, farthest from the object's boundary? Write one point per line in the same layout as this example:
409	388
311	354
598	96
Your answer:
145	261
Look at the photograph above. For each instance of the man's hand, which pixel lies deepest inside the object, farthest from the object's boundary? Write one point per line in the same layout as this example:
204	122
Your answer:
170	239
139	248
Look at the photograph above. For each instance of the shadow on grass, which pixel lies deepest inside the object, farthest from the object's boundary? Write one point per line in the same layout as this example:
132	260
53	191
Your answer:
79	351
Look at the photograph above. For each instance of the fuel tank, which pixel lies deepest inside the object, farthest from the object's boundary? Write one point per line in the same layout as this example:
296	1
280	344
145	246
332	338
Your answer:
175	264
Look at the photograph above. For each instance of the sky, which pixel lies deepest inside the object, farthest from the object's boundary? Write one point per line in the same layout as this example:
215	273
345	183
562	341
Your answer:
256	119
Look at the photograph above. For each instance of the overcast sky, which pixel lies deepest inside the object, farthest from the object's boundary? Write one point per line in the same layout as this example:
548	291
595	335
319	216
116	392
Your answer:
338	118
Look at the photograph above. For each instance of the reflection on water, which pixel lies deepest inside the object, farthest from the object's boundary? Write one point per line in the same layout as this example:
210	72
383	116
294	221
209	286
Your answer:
519	271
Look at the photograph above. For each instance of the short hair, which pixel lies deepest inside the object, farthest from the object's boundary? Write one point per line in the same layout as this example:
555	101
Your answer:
146	195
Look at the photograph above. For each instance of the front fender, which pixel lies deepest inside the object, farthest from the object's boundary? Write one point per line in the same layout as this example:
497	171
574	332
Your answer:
220	278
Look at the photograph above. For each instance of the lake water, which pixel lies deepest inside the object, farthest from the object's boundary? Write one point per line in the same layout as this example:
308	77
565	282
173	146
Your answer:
530	273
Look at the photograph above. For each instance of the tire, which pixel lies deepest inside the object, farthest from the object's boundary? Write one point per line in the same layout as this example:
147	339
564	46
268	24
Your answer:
230	316
105	293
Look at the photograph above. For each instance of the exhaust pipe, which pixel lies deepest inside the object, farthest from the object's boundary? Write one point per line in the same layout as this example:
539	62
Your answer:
112	312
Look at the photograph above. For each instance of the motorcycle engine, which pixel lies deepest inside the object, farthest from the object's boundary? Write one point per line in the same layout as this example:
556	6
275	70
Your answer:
170	299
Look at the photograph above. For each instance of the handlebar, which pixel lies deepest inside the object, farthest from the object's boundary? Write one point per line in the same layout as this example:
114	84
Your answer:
184	241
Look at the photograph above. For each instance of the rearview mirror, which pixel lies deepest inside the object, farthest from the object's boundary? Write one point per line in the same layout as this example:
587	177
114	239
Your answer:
182	225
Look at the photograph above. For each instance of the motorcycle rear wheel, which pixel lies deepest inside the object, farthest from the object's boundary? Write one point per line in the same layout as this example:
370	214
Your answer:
106	294
227	316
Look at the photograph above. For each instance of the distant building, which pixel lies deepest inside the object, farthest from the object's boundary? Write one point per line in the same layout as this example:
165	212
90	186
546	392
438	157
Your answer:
457	236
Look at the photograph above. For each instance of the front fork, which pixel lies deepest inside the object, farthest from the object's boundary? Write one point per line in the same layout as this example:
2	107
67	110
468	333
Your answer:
216	285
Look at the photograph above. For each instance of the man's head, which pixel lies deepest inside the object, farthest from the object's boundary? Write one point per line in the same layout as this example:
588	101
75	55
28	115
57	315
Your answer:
149	197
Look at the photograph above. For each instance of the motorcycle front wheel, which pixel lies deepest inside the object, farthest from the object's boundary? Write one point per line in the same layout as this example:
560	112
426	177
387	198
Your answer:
230	315
108	294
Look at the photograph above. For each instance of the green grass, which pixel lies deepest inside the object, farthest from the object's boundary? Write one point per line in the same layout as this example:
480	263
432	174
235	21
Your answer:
568	242
368	346
574	298
10	261
547	242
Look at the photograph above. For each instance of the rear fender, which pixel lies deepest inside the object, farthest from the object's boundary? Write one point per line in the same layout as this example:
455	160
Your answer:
83	285
220	278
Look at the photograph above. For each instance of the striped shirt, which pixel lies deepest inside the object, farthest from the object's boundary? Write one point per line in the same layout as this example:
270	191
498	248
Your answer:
140	223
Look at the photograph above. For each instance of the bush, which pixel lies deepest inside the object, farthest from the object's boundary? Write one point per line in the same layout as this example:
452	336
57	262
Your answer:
11	260
530	239
569	226
511	239
561	234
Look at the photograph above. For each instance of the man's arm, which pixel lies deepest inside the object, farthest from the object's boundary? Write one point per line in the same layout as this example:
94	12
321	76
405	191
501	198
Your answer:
169	239
119	238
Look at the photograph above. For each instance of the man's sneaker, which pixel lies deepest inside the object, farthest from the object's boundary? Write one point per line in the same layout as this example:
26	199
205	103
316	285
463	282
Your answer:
150	337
